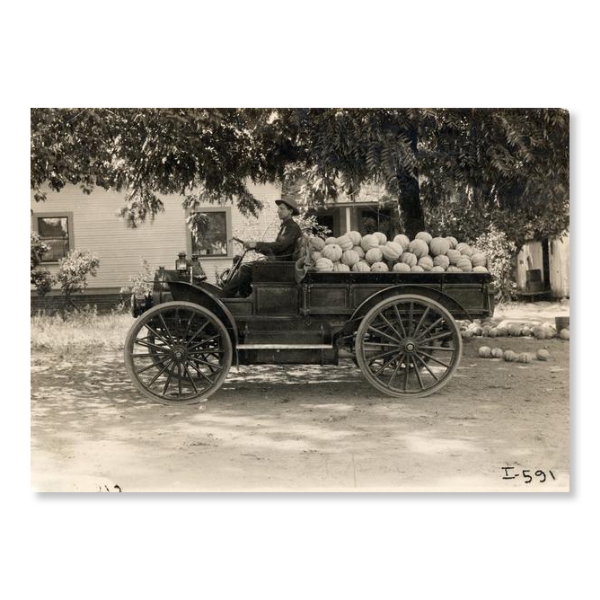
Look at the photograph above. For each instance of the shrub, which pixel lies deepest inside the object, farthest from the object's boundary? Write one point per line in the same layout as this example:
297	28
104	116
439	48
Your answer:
40	277
73	271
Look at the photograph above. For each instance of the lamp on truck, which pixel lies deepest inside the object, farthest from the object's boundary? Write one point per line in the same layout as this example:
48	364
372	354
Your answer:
181	263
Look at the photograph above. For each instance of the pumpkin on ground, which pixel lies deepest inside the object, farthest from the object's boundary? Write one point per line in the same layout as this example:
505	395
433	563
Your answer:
542	354
510	356
524	357
497	353
484	351
565	334
439	246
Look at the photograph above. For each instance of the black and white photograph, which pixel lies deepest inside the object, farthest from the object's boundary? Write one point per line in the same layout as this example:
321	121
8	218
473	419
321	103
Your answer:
300	299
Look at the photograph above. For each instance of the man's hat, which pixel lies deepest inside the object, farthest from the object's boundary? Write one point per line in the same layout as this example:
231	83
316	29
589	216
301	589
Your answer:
291	204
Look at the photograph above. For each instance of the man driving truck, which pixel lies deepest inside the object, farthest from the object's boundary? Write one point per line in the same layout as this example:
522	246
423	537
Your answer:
282	248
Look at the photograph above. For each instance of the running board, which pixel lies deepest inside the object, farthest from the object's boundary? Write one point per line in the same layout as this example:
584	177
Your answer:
284	347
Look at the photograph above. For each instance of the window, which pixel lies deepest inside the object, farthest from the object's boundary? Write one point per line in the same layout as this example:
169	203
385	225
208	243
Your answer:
376	219
55	230
215	242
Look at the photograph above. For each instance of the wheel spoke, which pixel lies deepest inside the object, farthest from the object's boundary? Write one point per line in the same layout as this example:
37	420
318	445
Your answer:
154	364
169	376
435	359
197	333
384	334
432	326
187	371
440	348
437	337
158	335
427	367
383	366
382	354
417	373
143	342
410	318
171	339
391	326
421	321
158	375
399	317
395	370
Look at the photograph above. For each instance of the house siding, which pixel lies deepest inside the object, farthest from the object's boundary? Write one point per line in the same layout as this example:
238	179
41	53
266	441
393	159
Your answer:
97	228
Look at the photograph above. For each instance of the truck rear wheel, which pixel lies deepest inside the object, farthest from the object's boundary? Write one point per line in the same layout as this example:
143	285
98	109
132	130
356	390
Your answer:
178	353
408	346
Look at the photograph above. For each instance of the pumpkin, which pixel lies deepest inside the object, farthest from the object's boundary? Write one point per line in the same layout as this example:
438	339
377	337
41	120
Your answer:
426	262
417	269
425	236
315	256
452	241
524	357
344	242
401	268
419	248
479	259
439	246
453	269
484	352
331	240
542	354
497	353
369	241
441	260
501	331
316	243
467	333
409	258
437	269
480	270
359	251
402	240
510	356
350	257
526	330
332	251
324	265
392	251
374	255
464	264
381	237
361	266
465	249
564	334
514	330
485	331
453	256
341	268
379	267
493	332
355	237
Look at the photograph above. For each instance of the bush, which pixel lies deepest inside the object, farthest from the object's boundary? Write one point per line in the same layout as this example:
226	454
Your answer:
501	254
40	278
73	271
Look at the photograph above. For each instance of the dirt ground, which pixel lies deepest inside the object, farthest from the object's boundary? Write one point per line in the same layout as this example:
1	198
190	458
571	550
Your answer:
497	426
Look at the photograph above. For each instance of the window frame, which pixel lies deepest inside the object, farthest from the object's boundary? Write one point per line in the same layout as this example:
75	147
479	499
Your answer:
228	229
55	215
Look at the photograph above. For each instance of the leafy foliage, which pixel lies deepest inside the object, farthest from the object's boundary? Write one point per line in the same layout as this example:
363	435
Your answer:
140	283
73	271
40	277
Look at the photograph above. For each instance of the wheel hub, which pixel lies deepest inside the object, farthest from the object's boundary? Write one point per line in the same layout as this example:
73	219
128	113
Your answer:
179	353
410	346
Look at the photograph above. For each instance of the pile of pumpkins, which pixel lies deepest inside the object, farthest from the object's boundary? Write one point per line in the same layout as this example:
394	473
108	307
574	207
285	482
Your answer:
511	356
539	332
374	253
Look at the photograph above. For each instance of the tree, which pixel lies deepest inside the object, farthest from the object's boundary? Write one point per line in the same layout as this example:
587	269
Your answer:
73	271
451	170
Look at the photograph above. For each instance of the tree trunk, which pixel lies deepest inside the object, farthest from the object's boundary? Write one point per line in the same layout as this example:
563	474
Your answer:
411	211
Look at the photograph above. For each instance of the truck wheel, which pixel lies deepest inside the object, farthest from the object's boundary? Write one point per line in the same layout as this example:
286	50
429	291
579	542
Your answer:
408	346
178	353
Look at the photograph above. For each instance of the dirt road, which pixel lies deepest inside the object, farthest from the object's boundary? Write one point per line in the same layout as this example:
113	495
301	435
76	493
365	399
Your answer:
496	426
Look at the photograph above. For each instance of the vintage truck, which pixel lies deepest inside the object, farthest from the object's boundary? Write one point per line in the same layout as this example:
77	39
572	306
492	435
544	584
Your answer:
399	328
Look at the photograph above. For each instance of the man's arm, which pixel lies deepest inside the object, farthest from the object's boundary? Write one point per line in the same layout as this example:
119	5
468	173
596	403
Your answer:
285	240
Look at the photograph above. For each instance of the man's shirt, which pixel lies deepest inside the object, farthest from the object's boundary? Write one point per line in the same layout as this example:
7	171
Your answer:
284	245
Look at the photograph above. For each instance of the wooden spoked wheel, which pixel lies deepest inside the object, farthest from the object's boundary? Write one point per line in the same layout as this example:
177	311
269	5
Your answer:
178	353
408	346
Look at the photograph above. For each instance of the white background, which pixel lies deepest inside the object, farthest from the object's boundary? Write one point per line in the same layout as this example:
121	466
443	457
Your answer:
375	54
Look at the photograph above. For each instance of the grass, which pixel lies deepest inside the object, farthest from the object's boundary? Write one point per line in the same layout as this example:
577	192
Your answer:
85	330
